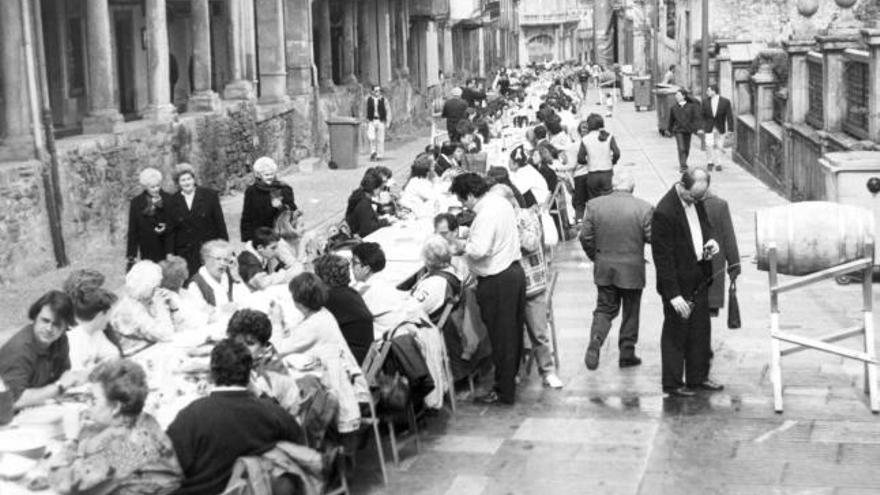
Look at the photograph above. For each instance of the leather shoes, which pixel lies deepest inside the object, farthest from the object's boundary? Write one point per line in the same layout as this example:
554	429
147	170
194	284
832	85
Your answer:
592	358
491	398
629	362
680	392
711	386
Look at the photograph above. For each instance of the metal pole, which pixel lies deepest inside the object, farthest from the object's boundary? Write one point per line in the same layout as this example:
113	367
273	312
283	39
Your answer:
704	49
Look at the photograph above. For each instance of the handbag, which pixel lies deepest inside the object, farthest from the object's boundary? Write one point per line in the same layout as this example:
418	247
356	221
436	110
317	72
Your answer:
733	319
288	226
536	273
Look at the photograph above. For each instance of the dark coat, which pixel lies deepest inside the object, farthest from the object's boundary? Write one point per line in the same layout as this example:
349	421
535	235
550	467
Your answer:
190	228
454	110
258	210
443	164
719	217
723	118
360	215
615	230
678	271
354	318
143	241
685	118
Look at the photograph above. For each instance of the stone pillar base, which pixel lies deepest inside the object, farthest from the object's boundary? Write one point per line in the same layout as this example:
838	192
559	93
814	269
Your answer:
101	121
326	84
239	90
349	80
299	80
160	113
273	88
204	101
14	148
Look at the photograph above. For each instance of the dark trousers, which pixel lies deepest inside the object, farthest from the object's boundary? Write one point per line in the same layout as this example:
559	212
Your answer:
452	130
686	345
581	196
683	143
502	300
599	183
607	306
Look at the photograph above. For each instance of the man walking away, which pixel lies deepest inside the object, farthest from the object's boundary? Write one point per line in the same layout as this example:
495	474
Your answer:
492	251
378	116
682	243
684	120
615	230
717	122
454	110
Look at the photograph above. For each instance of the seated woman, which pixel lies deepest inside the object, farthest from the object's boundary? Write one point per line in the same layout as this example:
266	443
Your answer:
418	193
360	213
92	340
270	376
120	449
146	313
319	336
346	305
35	362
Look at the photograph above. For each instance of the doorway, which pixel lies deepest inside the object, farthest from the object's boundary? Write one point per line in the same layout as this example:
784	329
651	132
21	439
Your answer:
123	29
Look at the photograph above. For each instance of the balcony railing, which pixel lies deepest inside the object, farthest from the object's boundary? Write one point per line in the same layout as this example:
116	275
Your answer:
551	18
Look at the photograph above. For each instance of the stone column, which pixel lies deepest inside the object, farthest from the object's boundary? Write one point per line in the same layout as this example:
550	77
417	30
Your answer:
871	38
325	60
798	89
18	143
764	83
349	38
159	105
448	53
481	52
204	99
740	98
832	47
386	65
298	43
103	114
239	88
270	46
725	72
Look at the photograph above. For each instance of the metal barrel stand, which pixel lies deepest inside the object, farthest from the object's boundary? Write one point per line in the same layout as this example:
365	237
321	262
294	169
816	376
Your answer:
825	344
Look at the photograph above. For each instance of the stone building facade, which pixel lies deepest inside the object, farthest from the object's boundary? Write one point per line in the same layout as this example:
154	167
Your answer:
126	84
548	31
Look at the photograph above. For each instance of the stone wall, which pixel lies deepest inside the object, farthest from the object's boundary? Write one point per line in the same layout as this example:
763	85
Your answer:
99	173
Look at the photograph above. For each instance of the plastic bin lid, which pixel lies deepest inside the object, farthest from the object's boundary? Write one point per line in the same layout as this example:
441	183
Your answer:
342	120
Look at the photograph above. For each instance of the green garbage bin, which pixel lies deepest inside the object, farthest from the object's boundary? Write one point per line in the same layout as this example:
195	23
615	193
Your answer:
665	100
344	141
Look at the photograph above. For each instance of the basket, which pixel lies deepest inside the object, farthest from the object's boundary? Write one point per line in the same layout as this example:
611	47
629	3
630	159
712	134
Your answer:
536	273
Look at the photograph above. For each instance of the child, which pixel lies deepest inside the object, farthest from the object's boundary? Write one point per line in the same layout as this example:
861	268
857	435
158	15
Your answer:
609	104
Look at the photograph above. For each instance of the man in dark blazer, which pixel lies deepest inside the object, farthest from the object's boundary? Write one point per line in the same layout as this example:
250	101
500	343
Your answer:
684	121
717	122
148	227
196	218
728	255
454	110
616	228
683	246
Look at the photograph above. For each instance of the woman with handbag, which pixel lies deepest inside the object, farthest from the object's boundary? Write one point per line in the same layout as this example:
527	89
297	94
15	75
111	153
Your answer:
265	199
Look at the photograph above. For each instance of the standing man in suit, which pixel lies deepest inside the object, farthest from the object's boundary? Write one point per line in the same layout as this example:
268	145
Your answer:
196	217
683	247
454	111
717	122
378	117
616	228
684	120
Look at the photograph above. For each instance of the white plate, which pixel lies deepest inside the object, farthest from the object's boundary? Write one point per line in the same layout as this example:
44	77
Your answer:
22	439
40	415
14	466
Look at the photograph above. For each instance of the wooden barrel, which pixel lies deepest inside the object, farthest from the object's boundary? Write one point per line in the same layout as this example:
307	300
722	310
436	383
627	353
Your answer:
813	235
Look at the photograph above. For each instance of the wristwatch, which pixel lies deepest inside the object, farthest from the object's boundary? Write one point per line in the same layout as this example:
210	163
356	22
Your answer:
61	388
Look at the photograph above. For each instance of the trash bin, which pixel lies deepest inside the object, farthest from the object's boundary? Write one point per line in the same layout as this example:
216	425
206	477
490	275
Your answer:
344	141
642	95
626	86
665	100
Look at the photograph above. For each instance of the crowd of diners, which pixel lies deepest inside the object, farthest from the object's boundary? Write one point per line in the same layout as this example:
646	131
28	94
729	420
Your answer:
282	322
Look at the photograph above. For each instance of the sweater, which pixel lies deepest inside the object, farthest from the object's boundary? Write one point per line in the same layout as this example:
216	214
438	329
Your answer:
212	432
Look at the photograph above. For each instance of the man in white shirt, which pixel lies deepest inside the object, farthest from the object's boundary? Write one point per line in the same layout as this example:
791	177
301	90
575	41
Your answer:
492	252
682	245
717	122
378	118
213	284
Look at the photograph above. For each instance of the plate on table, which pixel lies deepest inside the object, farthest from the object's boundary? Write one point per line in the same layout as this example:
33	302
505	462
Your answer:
14	466
27	442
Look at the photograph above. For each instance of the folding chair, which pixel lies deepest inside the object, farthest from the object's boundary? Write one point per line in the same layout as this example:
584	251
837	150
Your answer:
447	365
376	355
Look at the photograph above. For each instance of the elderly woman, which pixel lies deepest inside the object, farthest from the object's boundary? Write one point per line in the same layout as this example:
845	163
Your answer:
319	336
35	362
196	216
148	220
265	199
346	305
92	340
120	449
146	313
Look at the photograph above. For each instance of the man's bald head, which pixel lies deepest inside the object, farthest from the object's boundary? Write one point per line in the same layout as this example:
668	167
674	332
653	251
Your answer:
623	181
694	184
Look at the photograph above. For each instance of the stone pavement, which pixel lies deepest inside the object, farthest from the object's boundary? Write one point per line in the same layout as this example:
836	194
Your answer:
321	194
612	431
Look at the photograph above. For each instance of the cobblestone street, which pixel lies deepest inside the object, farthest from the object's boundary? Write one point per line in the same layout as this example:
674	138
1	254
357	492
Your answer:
613	432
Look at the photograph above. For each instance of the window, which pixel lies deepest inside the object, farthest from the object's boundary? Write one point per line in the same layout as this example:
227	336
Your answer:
815	116
670	19
855	79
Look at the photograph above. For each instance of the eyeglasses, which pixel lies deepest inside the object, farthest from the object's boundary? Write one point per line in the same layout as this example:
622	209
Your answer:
222	259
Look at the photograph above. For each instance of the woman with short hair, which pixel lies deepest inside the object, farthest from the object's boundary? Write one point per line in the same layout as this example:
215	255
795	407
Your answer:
146	313
346	305
360	214
265	199
418	193
120	449
148	220
92	340
35	362
196	217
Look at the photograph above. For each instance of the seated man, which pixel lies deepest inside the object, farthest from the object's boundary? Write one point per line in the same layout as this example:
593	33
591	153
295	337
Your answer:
385	302
212	432
213	285
259	265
